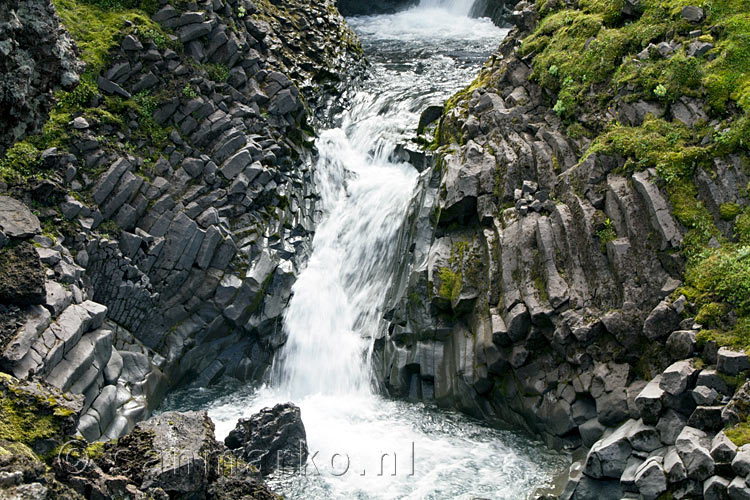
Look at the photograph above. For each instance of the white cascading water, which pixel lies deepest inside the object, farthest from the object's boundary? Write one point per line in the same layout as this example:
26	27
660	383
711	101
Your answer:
420	57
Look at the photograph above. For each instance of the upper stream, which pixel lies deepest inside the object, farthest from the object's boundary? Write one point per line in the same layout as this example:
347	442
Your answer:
419	57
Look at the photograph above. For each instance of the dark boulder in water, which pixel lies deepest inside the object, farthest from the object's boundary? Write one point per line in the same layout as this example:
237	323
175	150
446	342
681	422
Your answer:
272	439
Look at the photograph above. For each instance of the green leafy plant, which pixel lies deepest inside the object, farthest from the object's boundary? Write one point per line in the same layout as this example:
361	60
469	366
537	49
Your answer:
606	234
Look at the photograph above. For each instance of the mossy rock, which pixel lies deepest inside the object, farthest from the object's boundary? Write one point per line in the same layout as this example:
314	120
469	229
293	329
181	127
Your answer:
21	275
36	415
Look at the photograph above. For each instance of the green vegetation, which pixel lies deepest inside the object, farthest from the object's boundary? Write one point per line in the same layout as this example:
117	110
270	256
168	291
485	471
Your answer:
20	162
606	234
739	434
450	283
217	72
729	211
26	417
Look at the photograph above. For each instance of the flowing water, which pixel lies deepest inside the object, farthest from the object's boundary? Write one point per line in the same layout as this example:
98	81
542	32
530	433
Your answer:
420	57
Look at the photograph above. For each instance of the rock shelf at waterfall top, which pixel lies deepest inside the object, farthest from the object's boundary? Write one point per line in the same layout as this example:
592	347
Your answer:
436	249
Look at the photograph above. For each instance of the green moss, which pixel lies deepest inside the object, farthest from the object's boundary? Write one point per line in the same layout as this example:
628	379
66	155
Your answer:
739	434
450	283
592	44
742	227
21	162
729	211
710	314
722	275
98	25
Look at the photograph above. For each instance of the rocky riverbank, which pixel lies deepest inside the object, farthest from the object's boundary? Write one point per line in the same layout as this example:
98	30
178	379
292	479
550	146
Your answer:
563	264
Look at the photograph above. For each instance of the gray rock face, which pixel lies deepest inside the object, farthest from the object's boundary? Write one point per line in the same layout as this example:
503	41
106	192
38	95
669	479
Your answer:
16	220
35	48
273	439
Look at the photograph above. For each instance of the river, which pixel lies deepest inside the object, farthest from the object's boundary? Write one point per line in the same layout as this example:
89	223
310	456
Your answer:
419	57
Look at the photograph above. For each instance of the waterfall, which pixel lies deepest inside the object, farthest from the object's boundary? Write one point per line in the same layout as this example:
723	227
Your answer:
419	57
458	7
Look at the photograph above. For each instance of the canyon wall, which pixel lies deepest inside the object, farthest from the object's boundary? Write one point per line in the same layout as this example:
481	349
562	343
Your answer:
172	195
559	263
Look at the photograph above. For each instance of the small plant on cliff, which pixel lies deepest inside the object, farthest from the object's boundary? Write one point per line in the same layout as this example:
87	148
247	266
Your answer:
189	92
660	90
606	234
217	72
450	283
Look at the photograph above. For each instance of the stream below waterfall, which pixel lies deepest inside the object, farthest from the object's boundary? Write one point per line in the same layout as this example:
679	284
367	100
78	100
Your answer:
419	57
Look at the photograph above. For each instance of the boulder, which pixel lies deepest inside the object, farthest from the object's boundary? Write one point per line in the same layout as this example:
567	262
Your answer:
676	378
182	453
649	401
692	446
608	457
650	479
16	220
673	466
731	362
741	461
21	276
272	439
738	489
715	488
723	450
661	321
693	14
681	344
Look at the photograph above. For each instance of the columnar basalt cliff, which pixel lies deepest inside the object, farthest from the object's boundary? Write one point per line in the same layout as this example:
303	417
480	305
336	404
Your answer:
155	221
560	262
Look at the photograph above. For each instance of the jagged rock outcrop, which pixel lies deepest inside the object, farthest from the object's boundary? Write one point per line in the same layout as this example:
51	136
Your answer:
177	209
272	439
37	57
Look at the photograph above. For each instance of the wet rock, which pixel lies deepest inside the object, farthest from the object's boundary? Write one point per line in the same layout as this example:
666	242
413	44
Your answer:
272	439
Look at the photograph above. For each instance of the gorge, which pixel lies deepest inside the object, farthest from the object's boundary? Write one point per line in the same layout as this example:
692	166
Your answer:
485	249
